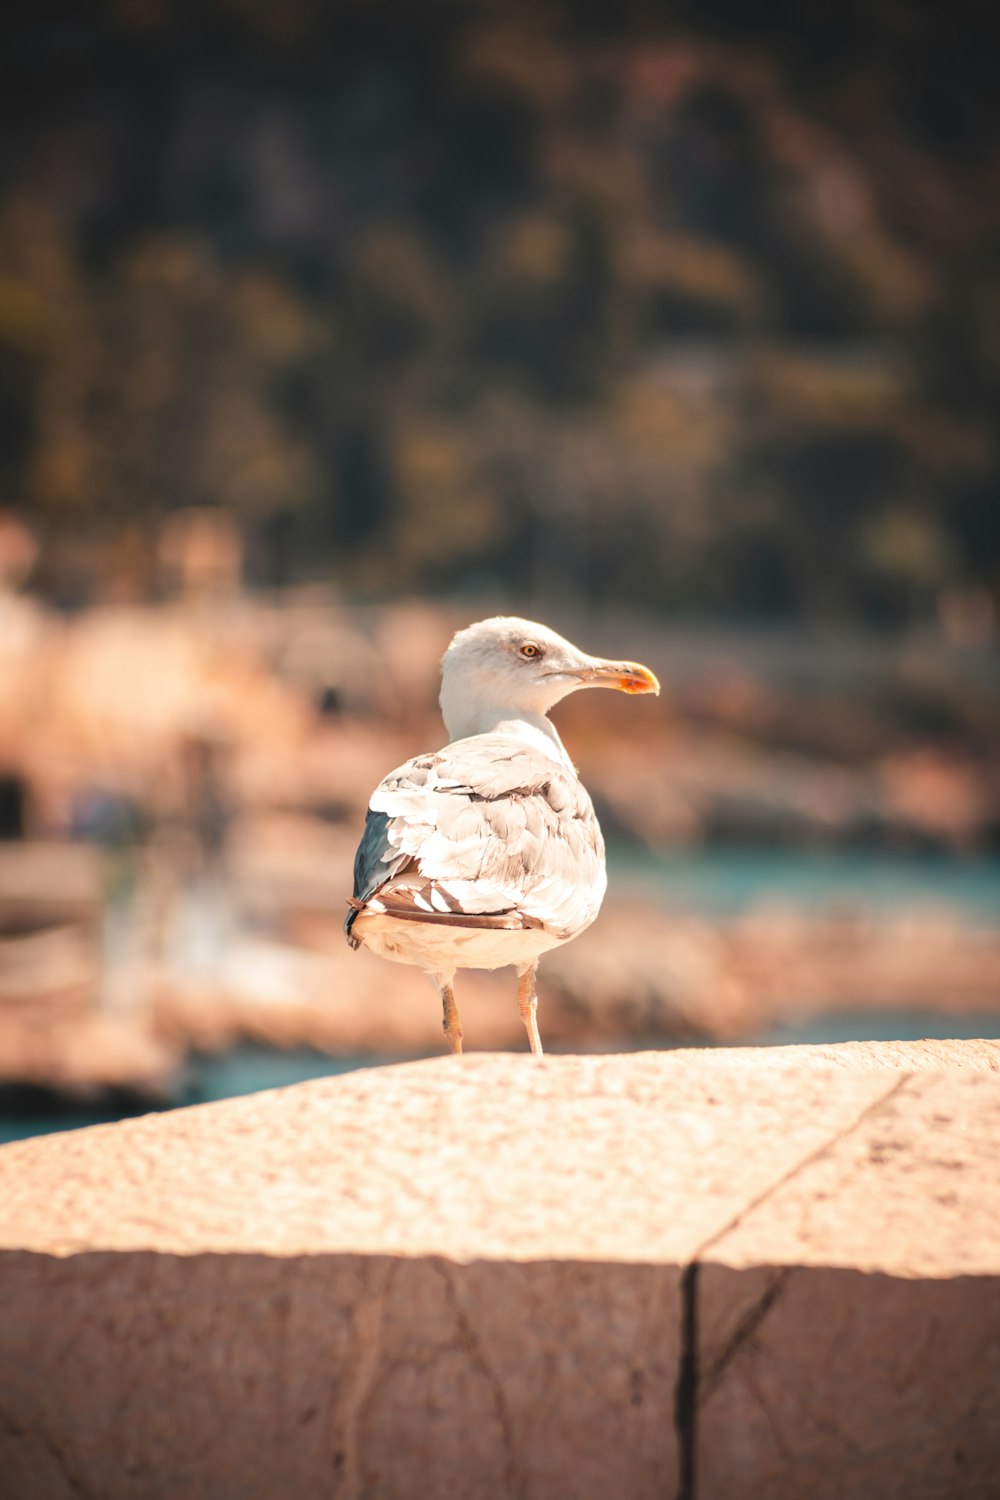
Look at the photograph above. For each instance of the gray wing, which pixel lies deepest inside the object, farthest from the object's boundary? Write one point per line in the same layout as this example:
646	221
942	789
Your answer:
375	862
487	831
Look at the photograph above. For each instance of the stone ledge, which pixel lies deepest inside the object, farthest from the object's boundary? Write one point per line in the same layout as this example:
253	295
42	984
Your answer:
493	1274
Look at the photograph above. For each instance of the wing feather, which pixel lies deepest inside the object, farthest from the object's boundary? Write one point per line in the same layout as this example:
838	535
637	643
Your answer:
487	829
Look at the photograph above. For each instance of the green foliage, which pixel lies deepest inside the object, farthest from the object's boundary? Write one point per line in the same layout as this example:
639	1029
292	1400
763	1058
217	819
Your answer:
700	314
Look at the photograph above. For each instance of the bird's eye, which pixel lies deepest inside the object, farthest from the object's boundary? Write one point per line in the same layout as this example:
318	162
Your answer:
530	649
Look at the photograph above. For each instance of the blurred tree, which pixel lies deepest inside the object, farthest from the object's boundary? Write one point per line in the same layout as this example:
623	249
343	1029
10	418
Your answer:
697	310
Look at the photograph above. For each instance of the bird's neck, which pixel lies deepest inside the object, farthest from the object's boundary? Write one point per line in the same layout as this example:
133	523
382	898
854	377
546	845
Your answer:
535	729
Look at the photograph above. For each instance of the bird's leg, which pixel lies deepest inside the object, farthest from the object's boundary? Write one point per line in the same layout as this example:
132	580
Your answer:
527	1002
451	1023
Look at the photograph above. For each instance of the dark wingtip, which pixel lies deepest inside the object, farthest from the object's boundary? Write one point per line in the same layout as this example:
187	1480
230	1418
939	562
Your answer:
350	919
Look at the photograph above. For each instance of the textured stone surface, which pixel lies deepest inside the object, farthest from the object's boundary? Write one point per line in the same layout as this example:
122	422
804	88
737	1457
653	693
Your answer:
849	1325
470	1277
935	1055
584	1158
213	1376
835	1382
913	1189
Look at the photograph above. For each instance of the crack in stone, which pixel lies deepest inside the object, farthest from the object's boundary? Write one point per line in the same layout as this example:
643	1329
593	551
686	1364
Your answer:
11	1426
513	1478
758	1396
351	1412
821	1423
691	1389
800	1166
686	1389
744	1332
73	1480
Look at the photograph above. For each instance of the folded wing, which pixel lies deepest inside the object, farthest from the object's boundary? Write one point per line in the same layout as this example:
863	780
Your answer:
487	832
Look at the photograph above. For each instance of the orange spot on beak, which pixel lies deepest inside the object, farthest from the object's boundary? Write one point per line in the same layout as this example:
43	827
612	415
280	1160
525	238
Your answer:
636	679
626	676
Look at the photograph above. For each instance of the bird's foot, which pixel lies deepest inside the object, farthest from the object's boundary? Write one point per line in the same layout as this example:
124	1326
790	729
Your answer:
527	1004
451	1022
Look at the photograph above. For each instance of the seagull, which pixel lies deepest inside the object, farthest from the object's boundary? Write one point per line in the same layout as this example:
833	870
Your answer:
488	853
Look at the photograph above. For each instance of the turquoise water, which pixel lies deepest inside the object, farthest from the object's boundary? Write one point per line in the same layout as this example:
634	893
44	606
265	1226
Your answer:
248	1070
882	1026
707	880
242	1070
727	880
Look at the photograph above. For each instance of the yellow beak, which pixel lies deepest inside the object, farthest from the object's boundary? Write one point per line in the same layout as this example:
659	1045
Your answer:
626	676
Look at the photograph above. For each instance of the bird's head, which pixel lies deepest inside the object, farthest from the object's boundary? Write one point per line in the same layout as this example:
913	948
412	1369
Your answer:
522	667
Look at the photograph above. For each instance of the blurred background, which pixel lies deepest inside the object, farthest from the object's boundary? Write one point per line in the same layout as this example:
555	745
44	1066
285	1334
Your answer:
327	328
